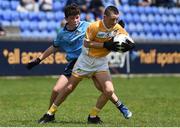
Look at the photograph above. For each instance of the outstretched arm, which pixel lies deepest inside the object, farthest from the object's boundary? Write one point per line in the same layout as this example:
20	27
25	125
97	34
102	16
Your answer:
48	52
44	55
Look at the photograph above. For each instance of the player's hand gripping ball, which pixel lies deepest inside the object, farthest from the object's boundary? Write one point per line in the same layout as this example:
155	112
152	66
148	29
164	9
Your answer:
126	42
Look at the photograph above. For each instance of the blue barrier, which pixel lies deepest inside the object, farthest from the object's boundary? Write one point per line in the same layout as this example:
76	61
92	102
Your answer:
145	58
155	58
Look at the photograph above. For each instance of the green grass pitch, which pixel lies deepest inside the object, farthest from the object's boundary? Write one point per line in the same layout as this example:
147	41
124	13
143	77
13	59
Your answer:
154	101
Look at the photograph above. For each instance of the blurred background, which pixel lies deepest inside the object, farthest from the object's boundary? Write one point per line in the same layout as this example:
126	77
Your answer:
29	26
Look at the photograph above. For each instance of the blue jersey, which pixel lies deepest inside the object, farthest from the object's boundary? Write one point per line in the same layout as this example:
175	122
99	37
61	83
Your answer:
71	41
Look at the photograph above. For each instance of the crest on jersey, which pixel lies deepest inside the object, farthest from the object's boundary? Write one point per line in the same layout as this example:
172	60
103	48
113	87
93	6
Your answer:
107	34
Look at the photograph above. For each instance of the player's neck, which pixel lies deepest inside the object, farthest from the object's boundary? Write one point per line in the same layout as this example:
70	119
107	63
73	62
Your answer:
106	26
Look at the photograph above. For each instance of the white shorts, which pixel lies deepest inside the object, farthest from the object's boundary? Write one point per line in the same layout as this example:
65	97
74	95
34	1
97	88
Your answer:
86	66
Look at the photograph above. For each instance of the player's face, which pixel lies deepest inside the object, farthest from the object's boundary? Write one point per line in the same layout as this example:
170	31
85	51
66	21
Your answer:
111	20
73	21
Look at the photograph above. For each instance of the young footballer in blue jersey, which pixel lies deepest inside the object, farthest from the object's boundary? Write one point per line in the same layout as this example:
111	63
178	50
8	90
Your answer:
70	38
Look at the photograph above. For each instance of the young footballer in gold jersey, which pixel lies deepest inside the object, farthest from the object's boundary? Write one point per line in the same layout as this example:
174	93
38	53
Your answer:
92	62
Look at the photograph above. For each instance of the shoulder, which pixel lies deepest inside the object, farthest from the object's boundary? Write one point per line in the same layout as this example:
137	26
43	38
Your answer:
92	30
120	29
118	26
60	31
84	24
94	25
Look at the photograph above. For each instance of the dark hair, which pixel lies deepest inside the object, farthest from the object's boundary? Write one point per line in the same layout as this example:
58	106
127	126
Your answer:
111	9
71	10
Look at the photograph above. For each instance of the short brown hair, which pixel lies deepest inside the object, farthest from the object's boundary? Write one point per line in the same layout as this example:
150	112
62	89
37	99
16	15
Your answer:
111	9
71	10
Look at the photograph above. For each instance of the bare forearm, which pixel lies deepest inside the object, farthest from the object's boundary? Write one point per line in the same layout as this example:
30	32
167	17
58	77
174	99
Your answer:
48	52
93	44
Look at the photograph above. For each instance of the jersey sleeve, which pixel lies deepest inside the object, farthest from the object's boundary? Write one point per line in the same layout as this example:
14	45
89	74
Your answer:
56	41
91	32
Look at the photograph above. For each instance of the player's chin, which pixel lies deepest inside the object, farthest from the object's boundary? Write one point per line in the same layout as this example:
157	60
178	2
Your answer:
75	24
112	25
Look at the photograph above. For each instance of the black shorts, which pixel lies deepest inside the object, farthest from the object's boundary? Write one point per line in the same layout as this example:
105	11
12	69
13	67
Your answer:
68	69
